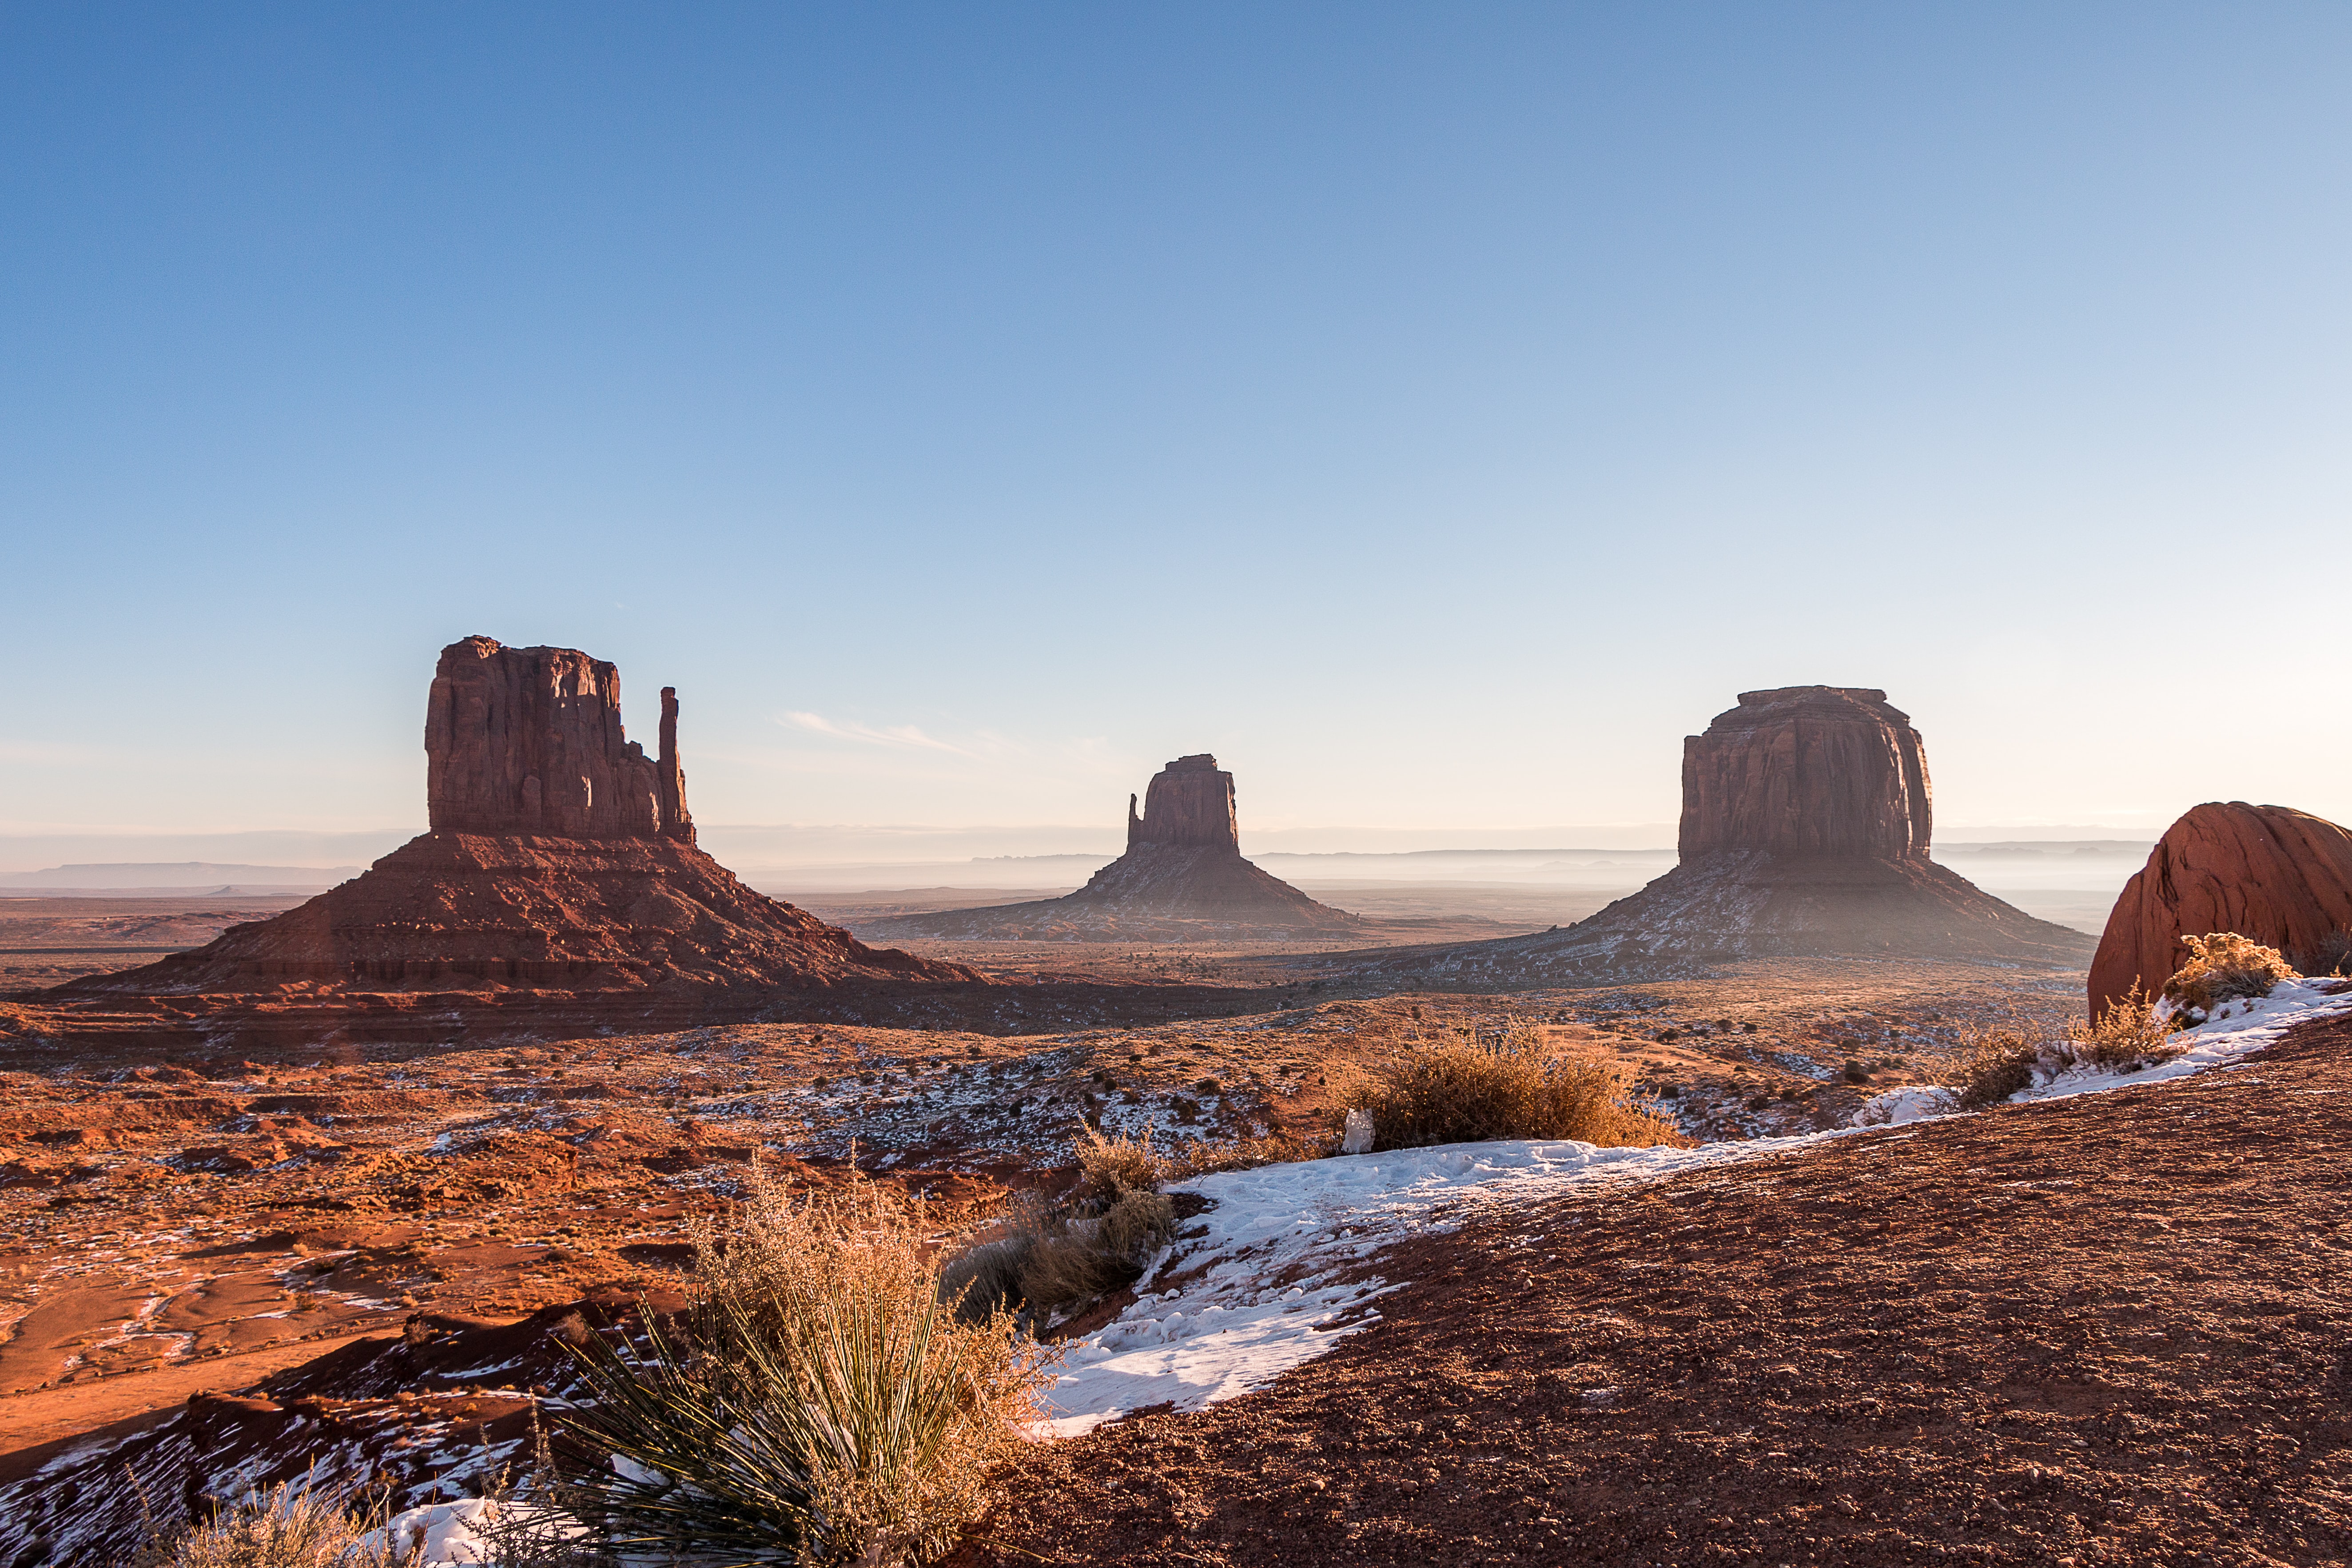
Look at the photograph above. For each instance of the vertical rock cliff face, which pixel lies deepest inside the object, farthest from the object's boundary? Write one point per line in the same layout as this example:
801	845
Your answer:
1182	876
2279	876
528	740
1807	770
560	875
1187	805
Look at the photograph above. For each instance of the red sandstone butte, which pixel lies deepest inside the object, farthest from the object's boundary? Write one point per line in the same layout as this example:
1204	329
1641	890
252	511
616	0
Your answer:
1183	876
561	869
1807	815
1808	771
2279	876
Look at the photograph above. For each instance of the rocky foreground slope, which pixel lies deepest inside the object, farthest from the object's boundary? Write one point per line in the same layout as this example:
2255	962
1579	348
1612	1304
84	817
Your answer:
2100	1329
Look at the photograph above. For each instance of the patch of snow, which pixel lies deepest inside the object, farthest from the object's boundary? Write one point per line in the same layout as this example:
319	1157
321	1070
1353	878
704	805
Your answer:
450	1534
1271	1277
2235	1029
1911	1103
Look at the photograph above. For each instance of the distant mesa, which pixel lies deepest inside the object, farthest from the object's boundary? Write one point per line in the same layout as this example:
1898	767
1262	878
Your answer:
1182	878
2279	876
1806	820
561	868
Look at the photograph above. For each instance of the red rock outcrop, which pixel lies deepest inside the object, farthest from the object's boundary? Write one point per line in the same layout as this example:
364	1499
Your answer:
2279	876
1805	826
1187	805
1807	770
528	741
561	874
1182	876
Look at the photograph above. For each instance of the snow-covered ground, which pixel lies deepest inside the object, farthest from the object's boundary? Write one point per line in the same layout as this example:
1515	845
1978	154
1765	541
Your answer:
1276	1273
1282	1266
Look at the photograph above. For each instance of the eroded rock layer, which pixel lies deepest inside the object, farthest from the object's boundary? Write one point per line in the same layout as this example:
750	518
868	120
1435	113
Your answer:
2279	876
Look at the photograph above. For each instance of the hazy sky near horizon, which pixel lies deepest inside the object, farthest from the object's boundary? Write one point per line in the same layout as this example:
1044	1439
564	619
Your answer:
1436	412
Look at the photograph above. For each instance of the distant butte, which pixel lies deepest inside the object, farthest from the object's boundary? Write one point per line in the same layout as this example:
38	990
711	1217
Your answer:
1806	820
1182	876
560	880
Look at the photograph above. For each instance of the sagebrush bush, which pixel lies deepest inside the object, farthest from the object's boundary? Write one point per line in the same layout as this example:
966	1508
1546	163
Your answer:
1451	1091
818	1402
1992	1065
289	1527
2127	1037
1050	1256
2223	966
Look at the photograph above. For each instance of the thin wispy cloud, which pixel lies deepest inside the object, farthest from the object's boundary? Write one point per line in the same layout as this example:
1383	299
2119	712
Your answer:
895	735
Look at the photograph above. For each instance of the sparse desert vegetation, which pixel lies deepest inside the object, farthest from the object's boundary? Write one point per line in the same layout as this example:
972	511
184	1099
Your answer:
817	1402
2224	967
1427	1090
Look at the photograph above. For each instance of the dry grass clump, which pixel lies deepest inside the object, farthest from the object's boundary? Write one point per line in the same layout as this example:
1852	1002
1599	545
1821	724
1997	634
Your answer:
285	1527
1108	1167
2223	966
1050	1256
819	1403
1453	1090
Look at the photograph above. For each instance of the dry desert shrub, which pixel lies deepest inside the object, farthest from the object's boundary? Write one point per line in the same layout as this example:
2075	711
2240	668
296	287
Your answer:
289	1527
1053	1257
818	1402
1453	1090
1111	1166
2223	966
1993	1064
2128	1036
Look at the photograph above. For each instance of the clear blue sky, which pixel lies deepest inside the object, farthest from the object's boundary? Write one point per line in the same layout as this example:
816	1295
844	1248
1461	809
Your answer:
1437	411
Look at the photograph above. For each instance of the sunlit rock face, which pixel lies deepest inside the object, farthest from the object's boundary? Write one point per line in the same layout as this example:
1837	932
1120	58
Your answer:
1807	770
528	740
1187	805
2279	876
